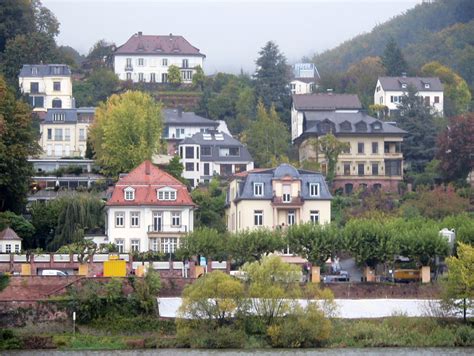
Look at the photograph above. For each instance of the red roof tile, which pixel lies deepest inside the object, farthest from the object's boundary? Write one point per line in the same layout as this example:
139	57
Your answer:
9	234
152	44
146	179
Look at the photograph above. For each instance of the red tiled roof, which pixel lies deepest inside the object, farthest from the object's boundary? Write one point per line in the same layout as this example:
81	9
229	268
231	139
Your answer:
146	179
152	44
9	234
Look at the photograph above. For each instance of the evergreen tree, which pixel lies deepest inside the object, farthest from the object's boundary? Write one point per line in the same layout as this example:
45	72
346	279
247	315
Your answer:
272	78
393	60
18	141
419	145
175	168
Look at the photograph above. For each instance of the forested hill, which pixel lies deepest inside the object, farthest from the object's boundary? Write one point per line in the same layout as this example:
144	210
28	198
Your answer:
442	30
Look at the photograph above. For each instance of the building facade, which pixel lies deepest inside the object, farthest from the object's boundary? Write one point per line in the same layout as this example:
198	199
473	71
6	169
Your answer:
305	78
390	90
47	86
321	102
205	154
179	124
64	132
149	210
277	197
146	58
374	159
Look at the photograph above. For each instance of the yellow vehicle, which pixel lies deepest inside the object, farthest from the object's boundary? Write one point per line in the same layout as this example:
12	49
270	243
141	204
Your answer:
406	275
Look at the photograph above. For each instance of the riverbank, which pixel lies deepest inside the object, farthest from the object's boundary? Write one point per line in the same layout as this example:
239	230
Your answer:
152	333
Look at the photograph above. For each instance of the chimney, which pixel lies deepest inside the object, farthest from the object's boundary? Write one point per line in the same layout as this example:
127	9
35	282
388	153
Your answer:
147	167
404	74
180	111
140	33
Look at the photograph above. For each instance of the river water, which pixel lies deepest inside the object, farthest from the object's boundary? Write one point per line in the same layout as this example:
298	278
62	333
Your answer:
266	352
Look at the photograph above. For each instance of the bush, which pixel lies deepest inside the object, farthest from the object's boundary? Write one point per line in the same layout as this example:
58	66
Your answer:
204	335
9	341
464	336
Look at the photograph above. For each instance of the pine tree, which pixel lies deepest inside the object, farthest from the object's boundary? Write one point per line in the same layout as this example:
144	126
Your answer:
393	60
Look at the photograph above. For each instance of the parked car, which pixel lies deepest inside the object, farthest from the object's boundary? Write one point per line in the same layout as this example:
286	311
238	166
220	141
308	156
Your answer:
343	276
53	272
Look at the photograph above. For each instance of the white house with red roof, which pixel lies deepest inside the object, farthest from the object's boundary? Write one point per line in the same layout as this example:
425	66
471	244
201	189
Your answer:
149	210
146	58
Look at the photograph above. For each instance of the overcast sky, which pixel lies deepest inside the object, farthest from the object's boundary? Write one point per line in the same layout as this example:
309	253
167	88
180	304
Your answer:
230	33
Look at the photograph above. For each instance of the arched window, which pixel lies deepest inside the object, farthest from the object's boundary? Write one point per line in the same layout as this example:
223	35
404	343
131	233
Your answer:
129	193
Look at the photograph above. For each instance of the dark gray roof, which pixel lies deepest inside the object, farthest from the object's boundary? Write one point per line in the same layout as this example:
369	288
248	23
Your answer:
227	141
326	101
44	70
172	117
395	83
245	190
70	116
340	124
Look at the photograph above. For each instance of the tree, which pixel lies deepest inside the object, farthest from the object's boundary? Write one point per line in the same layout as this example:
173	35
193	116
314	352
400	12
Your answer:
215	298
245	108
458	288
362	78
45	21
146	291
331	148
317	243
18	141
419	144
96	88
457	95
456	147
175	167
211	202
19	224
271	79
267	137
393	60
126	131
205	242
100	55
174	75
252	245
198	78
16	18
85	250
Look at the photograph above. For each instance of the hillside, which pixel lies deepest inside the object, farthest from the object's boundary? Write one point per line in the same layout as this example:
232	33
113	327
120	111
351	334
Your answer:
442	30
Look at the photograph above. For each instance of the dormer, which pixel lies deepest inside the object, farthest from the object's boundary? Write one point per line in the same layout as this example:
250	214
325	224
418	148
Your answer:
166	194
376	126
345	126
327	126
129	194
427	85
404	85
59	116
34	71
361	126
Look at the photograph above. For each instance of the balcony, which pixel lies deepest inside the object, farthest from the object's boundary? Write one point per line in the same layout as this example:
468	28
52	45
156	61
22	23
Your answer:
128	68
291	202
156	230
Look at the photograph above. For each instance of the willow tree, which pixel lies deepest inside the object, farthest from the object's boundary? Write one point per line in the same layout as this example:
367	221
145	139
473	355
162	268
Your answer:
126	131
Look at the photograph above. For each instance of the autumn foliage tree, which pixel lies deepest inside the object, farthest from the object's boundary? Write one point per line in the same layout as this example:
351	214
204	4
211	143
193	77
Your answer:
456	148
126	131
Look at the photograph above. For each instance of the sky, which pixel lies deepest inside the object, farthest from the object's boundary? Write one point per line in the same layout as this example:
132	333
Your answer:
230	33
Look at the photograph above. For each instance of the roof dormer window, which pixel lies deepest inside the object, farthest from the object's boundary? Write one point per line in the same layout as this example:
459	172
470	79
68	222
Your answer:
427	85
129	193
404	85
34	71
167	194
59	116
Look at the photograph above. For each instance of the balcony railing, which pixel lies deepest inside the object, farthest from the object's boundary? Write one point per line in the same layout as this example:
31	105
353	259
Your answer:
158	228
128	67
292	201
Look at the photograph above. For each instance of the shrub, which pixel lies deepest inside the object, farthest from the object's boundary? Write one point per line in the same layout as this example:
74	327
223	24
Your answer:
200	335
9	341
464	336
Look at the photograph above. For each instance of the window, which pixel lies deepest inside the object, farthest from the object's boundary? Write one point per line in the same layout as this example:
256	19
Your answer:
381	100
59	116
375	169
58	134
185	63
67	134
314	189
57	103
189	152
179	132
82	134
57	86
347	148
164	62
348	187
187	74
436	99
427	85
189	167
291	217
34	87
135	219
164	77
129	76
135	245
169	244
258	217
360	148
152	77
206	169
56	70
393	168
176	219
286	198
36	101
34	71
140	77
258	189
360	169
129	193
314	216
375	148
167	194
8	248
120	245
141	61
347	169
129	63
404	85
17	248
119	219
427	100
50	134
234	151
154	245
